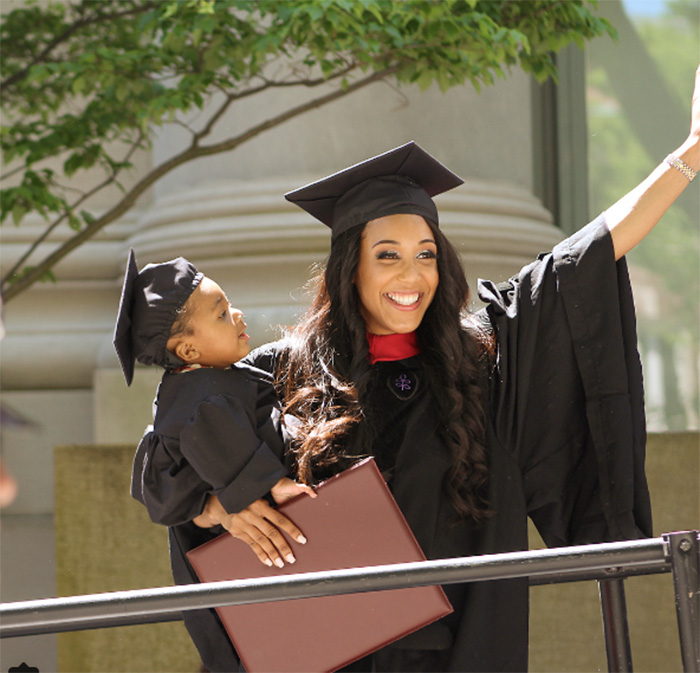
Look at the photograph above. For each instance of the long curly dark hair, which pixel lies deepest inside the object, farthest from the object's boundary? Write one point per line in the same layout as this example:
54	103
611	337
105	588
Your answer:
324	374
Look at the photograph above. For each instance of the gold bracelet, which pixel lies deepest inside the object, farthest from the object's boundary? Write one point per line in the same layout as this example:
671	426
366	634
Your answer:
674	161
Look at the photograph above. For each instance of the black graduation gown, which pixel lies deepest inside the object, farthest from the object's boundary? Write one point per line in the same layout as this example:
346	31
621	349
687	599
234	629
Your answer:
215	431
565	442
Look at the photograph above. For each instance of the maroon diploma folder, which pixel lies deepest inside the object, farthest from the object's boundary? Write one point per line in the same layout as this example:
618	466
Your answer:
354	522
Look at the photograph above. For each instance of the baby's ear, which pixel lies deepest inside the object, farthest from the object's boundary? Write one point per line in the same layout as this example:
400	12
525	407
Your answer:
186	351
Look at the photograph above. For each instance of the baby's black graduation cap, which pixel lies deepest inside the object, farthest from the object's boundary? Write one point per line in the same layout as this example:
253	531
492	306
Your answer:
149	304
402	180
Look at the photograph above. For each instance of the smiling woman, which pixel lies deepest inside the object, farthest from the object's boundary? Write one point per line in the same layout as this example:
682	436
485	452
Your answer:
531	407
476	420
397	274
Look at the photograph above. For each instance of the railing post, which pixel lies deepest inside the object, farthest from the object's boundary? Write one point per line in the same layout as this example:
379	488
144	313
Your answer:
684	550
617	638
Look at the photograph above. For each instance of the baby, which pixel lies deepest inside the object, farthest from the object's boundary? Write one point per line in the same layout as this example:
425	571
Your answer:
217	431
216	428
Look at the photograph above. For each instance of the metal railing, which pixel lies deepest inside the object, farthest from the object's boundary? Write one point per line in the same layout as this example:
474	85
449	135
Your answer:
676	553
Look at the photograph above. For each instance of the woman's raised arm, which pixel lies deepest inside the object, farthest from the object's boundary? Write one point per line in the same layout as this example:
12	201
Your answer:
636	213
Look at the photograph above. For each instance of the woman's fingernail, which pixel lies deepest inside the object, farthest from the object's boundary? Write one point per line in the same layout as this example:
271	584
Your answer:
301	539
268	563
290	558
279	563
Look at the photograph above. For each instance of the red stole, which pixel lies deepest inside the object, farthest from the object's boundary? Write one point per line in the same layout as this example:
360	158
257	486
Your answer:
387	347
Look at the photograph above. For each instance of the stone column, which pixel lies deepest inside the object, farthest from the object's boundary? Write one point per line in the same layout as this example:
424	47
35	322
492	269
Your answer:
227	213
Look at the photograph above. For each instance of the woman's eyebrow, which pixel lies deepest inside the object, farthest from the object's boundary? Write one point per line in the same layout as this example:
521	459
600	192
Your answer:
385	241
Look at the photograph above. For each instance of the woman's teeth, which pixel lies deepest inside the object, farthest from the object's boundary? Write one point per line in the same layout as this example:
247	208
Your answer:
404	299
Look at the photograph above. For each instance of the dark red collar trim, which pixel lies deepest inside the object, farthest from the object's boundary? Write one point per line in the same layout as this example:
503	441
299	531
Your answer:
388	347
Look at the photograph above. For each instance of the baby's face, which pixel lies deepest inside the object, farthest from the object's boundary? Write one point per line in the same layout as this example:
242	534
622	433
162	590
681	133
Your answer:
219	331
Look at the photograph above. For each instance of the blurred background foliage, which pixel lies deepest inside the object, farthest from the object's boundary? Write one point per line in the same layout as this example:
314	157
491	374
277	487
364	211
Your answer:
619	158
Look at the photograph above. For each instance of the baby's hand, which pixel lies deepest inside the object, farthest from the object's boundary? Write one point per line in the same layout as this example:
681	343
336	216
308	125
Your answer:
286	489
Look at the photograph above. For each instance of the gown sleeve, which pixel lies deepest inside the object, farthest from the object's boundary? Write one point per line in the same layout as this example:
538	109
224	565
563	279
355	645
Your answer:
221	444
266	357
567	399
169	488
218	452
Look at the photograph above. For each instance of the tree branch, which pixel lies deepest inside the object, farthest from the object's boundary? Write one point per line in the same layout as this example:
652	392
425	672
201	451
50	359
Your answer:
232	143
187	128
267	84
318	80
19	169
51	227
77	25
192	152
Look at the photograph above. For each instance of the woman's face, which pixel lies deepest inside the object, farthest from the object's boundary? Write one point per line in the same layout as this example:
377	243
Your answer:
397	273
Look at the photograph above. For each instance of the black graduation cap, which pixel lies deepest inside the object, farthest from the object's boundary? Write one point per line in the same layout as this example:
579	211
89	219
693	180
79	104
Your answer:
402	180
147	310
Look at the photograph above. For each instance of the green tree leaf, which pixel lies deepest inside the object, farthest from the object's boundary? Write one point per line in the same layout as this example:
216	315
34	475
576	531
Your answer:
81	76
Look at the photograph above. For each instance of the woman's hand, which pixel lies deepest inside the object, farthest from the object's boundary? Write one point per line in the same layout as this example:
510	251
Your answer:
286	489
258	525
695	113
